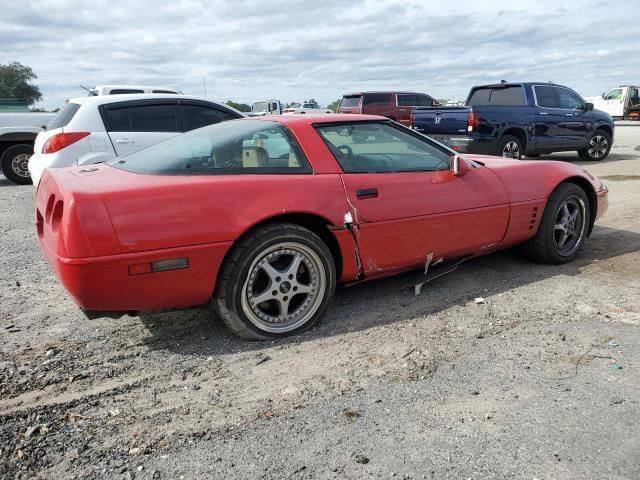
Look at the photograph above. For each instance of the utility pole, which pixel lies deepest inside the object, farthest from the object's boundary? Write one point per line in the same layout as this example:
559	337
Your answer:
204	82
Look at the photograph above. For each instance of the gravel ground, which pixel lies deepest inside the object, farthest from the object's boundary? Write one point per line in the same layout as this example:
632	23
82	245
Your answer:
540	380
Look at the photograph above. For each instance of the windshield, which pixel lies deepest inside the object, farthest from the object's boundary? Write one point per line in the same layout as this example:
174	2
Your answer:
232	147
614	94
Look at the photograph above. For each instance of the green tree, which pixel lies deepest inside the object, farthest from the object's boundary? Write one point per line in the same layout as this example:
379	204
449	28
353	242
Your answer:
243	107
334	105
15	82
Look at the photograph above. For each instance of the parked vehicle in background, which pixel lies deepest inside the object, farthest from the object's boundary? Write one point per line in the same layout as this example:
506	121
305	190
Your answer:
394	105
265	233
619	102
306	107
515	119
18	131
266	107
98	128
128	89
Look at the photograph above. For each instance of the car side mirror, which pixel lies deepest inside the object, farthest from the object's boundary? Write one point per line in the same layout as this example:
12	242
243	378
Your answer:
459	165
588	107
603	94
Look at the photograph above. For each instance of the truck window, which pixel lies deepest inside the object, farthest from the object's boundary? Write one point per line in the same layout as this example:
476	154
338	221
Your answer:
501	96
407	100
376	99
350	102
545	96
569	100
122	91
614	94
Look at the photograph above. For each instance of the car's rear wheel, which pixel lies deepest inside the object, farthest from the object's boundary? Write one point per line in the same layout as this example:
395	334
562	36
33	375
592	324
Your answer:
510	147
277	281
15	162
598	148
563	228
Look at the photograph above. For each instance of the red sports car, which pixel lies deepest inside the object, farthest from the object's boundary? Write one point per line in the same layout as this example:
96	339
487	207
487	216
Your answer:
263	216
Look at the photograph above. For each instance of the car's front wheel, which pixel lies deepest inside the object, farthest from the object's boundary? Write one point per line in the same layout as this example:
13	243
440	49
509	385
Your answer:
15	161
277	281
563	227
598	148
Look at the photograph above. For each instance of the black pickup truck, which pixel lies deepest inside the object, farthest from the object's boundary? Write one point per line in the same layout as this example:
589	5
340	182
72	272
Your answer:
515	119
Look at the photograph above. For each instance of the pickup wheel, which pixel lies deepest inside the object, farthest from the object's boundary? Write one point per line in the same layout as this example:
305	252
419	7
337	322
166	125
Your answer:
277	281
15	160
563	228
510	147
598	148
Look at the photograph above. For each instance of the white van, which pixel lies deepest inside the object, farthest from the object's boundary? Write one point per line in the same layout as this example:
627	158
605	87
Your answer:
619	101
125	89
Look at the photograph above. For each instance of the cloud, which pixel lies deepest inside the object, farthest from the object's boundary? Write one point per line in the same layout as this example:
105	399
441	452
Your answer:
293	50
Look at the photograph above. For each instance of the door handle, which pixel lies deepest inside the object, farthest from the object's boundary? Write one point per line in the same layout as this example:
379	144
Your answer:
124	141
544	113
367	193
569	114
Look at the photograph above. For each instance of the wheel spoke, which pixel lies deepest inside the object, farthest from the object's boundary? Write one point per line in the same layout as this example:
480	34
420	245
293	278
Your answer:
560	226
264	296
563	239
293	268
284	306
301	288
271	271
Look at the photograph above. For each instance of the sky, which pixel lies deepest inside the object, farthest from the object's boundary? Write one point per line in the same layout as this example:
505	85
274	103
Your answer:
248	51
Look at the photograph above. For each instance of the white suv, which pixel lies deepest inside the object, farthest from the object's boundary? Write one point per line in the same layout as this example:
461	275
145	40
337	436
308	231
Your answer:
98	128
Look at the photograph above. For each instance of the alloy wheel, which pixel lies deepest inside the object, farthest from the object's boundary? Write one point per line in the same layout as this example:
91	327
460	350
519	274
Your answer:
20	164
598	146
569	226
284	288
511	150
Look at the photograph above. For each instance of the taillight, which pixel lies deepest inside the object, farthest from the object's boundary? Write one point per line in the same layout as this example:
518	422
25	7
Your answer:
473	121
411	119
62	140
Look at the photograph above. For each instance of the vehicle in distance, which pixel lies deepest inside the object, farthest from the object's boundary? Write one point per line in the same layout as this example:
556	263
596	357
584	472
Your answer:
619	102
394	105
266	107
515	119
306	107
266	232
18	131
98	128
127	89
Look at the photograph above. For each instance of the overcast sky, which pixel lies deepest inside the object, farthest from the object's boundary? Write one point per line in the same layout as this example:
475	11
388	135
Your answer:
294	50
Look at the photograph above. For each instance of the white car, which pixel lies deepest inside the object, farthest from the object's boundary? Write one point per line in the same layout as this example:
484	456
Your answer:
124	89
306	108
99	128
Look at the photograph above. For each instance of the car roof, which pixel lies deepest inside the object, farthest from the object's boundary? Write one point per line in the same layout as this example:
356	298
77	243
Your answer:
401	92
140	87
104	99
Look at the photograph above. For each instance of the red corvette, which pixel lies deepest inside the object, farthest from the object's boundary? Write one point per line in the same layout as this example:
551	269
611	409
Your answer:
263	216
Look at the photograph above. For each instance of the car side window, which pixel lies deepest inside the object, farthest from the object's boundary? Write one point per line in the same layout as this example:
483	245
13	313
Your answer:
197	116
376	99
119	120
124	91
568	99
154	118
615	94
382	148
545	96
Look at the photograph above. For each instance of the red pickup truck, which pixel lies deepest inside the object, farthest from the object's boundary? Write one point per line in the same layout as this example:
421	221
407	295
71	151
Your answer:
394	105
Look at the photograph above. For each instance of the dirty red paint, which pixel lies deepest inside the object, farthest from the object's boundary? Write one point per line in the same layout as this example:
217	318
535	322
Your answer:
110	221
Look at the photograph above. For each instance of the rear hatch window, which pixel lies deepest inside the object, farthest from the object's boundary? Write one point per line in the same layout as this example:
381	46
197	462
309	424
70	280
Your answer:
350	102
64	116
510	96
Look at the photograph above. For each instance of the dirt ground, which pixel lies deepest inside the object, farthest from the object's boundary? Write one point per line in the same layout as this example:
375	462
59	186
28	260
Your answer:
540	380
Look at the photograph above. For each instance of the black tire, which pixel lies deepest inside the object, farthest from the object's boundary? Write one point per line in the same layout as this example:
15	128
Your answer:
14	163
510	147
244	272
546	246
532	155
598	148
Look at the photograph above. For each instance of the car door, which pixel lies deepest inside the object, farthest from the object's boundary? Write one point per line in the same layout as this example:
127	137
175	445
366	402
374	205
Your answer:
406	202
139	124
574	129
549	119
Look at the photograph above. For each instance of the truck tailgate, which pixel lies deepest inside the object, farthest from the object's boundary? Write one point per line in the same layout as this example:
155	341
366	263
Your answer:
440	121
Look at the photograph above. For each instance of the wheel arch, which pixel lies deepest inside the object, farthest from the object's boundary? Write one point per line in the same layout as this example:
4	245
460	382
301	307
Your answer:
313	222
591	195
605	128
517	132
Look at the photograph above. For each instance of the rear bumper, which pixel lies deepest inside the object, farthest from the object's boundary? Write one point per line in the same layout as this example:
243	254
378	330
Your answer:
122	283
465	144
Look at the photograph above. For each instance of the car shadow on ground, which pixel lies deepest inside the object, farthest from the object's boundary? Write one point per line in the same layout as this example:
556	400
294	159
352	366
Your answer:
380	302
572	157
